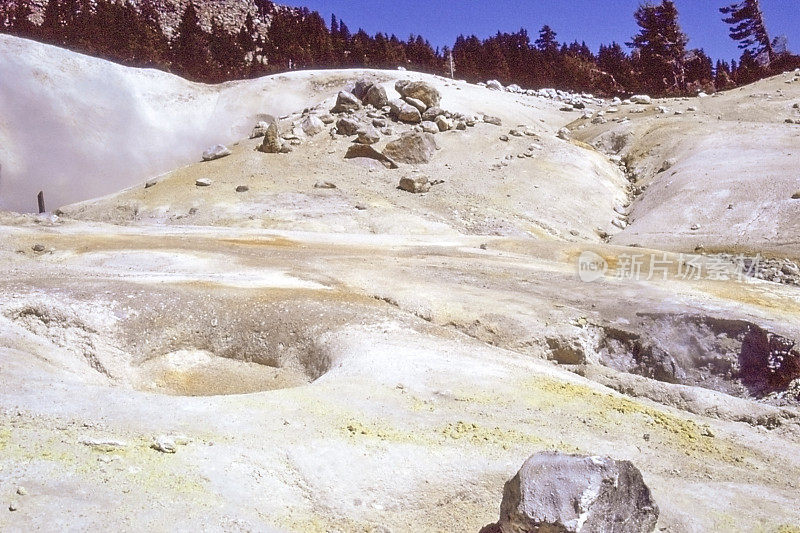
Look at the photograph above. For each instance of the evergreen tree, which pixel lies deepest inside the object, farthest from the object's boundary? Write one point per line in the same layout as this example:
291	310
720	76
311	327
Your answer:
547	40
660	47
747	26
190	52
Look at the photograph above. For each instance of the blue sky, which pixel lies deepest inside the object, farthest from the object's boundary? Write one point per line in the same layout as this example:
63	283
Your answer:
595	21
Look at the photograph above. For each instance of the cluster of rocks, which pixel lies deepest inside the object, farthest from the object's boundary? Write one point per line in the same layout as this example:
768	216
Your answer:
556	492
572	101
785	271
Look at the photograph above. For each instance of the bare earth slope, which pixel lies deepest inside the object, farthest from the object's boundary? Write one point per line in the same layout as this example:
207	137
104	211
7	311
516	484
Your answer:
366	359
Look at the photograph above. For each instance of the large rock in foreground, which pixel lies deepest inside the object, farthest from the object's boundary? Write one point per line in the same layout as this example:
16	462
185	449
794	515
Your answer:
559	493
412	148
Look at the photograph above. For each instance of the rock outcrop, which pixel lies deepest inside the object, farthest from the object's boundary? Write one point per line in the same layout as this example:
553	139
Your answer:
560	493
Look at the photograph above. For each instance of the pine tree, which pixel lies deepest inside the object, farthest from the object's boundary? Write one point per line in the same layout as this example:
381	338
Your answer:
190	48
547	40
747	26
660	47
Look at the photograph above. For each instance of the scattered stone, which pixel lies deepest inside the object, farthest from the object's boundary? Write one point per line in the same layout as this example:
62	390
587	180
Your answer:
215	152
150	183
461	125
691	108
203	182
327	119
494	85
415	184
516	133
347	126
38	247
345	102
564	134
312	125
695	227
361	87
420	90
491	120
443	123
411	148
641	99
504	138
21	491
366	151
105	445
324	185
562	493
429	127
13	506
379	122
242	188
796	196
360	207
259	130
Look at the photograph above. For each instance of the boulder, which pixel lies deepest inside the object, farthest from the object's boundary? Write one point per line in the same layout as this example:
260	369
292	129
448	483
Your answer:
347	126
327	118
432	112
345	102
668	164
376	96
494	85
489	119
415	184
404	112
272	143
312	125
203	182
564	134
361	87
368	152
368	135
242	188
429	127
563	493
411	148
420	90
443	123
419	104
324	185
641	99
215	152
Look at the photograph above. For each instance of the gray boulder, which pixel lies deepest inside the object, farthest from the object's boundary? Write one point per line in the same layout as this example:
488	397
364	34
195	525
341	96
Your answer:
641	99
368	135
494	85
345	102
215	152
560	493
420	90
429	127
312	125
404	112
376	96
489	119
361	87
432	112
411	148
347	126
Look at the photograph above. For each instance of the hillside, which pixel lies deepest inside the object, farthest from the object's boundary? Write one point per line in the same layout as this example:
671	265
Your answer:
281	339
